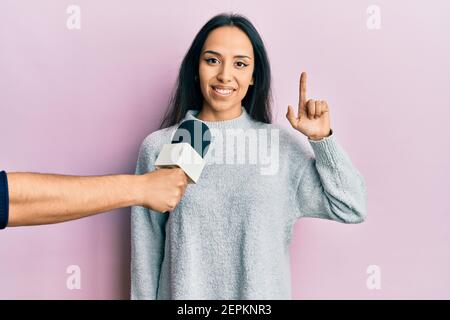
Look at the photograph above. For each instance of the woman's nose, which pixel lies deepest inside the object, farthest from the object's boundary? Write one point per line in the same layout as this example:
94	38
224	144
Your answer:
225	74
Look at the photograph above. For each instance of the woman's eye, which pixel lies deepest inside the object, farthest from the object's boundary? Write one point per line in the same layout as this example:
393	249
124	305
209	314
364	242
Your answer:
209	60
241	64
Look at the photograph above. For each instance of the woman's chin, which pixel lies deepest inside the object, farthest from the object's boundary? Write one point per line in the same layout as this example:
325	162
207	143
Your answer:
221	106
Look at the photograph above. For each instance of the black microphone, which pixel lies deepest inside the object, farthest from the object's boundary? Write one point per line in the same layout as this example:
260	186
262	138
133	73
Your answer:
196	133
189	146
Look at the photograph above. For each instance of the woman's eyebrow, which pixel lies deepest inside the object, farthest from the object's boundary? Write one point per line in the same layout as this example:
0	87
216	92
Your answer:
218	54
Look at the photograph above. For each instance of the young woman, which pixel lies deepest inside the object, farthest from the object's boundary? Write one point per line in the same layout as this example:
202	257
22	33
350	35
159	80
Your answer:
229	236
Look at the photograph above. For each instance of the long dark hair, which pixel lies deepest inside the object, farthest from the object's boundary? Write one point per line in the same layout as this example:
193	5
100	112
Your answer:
188	95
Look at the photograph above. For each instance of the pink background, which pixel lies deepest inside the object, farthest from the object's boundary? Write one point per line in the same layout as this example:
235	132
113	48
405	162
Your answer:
81	102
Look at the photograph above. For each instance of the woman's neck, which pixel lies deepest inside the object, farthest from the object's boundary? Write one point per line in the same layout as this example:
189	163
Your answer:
208	114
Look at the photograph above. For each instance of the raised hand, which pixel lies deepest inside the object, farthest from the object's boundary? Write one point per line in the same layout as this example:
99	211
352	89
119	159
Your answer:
313	115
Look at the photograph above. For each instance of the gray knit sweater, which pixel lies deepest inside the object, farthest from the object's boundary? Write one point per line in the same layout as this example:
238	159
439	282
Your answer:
229	236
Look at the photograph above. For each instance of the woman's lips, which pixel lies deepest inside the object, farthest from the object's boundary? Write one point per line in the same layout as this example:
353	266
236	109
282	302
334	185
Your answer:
222	92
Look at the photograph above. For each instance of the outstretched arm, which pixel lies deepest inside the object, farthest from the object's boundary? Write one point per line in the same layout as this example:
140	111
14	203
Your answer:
36	198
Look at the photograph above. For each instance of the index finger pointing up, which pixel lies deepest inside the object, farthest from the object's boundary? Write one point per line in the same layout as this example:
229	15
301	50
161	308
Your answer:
302	93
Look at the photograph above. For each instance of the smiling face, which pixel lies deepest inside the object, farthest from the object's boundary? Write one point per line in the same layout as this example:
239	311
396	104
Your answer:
225	72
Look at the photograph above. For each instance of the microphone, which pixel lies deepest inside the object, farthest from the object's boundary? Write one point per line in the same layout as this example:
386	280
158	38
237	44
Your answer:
189	145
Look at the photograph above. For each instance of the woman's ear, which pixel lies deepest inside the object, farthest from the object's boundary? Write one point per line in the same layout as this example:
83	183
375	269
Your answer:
251	82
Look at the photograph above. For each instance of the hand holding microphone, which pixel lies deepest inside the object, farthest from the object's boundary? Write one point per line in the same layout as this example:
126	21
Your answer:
189	146
34	198
167	189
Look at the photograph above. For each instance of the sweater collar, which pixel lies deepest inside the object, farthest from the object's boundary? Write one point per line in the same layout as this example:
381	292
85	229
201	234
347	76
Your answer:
243	121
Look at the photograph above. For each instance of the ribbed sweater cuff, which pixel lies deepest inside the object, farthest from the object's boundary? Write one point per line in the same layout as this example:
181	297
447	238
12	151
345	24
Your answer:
327	150
4	200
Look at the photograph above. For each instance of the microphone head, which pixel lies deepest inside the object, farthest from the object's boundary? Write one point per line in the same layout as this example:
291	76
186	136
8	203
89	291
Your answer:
196	133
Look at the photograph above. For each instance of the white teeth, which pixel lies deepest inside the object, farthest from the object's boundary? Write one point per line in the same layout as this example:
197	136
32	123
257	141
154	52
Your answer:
223	91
